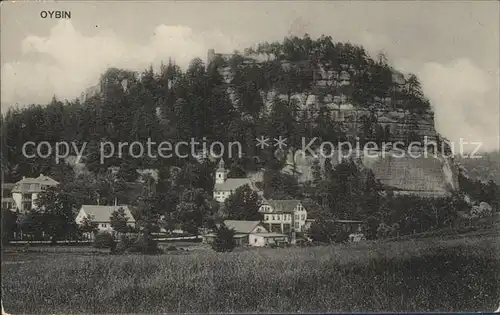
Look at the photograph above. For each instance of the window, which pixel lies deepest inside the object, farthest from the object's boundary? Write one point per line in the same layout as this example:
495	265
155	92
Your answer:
266	217
296	225
296	217
103	225
303	217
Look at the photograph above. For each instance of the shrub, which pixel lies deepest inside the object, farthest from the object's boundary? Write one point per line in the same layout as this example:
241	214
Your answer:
172	248
124	244
144	244
341	236
224	239
104	240
327	232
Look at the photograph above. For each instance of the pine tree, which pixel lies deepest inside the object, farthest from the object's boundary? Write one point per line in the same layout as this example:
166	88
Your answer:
118	221
243	205
224	239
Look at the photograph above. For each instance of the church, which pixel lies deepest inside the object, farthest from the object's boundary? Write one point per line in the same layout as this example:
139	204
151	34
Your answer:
225	187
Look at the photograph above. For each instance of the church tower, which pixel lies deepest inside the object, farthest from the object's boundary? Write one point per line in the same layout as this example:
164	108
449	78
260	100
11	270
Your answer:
220	173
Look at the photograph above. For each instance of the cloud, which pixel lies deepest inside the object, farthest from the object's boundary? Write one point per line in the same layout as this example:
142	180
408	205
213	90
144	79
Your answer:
466	101
67	62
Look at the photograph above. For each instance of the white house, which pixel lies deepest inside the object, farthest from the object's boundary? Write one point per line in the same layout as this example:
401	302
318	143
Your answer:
101	215
283	215
25	192
225	187
251	233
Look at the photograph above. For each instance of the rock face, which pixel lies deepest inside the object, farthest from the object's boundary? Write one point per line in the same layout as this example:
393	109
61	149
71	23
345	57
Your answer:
426	176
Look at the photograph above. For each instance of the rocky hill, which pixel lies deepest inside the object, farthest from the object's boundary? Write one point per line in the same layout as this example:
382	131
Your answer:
296	88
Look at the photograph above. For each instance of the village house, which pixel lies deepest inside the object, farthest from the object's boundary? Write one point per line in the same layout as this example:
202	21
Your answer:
225	187
25	192
283	215
251	233
101	215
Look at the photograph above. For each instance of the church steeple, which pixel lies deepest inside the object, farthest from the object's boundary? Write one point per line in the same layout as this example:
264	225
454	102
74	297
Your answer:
220	173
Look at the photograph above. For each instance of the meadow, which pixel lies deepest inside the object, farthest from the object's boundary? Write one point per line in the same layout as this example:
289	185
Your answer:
428	274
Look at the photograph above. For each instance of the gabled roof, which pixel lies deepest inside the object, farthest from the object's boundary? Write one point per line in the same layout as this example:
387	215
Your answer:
42	179
284	206
31	185
103	213
238	226
270	234
231	184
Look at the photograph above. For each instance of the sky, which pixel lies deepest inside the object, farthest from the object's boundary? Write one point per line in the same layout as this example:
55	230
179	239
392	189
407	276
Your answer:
453	47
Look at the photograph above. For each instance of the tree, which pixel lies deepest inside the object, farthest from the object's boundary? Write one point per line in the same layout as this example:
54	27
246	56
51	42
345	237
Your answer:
118	221
88	225
31	223
243	205
9	225
54	208
327	231
316	172
277	185
224	239
194	210
104	240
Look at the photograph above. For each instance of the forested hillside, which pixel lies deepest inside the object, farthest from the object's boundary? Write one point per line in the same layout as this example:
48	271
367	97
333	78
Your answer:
288	89
231	99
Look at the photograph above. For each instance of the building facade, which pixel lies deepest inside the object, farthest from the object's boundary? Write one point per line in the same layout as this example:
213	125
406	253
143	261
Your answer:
25	192
101	215
284	216
250	233
225	187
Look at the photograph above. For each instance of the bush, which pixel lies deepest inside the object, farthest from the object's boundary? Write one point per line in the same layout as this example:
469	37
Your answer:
341	236
144	244
224	239
327	232
104	240
172	248
124	244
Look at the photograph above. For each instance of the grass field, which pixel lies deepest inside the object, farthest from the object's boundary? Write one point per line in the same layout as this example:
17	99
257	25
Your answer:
460	274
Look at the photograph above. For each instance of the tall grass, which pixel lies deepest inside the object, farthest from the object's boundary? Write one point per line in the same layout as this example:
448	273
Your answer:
423	275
